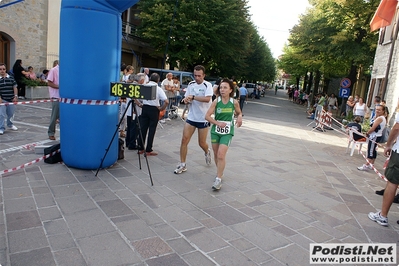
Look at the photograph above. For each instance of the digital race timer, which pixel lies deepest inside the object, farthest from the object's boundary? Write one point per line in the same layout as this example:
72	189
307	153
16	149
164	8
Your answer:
136	91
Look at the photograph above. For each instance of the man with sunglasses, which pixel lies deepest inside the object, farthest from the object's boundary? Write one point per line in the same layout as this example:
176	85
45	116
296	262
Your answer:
8	94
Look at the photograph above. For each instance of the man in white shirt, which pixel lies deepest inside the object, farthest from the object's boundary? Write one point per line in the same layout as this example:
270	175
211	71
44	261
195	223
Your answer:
391	173
149	117
198	95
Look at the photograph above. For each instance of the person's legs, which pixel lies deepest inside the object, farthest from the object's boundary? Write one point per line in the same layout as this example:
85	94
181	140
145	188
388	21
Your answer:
129	123
188	132
221	159
10	110
389	195
202	135
55	114
144	124
3	116
242	100
152	127
215	148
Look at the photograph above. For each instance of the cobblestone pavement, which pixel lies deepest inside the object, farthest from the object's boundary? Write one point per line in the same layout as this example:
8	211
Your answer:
285	187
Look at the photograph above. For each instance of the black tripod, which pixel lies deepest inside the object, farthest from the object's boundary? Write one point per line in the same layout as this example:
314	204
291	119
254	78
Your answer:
131	102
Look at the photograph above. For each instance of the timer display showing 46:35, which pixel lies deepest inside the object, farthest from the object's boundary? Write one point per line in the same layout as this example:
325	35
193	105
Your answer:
126	90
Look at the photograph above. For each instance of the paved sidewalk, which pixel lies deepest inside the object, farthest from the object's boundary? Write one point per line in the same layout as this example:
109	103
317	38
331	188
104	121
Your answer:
285	187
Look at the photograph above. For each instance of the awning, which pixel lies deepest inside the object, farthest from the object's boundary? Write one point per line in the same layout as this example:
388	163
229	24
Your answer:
384	14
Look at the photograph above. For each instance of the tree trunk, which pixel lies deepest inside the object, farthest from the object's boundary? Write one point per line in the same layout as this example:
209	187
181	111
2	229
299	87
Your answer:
310	83
305	80
317	82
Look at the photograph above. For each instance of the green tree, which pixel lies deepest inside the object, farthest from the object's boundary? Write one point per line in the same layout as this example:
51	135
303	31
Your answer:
216	33
333	37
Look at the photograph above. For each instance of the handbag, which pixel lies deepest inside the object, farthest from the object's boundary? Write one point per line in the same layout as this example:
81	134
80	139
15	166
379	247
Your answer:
385	135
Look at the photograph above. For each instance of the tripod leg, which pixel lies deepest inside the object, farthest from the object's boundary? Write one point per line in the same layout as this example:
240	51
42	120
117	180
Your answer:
113	137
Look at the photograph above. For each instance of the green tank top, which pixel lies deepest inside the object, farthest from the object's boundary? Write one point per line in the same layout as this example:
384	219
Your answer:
224	112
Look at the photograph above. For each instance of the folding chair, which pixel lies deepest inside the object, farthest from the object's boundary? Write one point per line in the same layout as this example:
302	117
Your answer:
353	142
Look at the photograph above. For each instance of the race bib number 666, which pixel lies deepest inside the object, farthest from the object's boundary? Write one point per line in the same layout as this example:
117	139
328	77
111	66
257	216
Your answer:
223	130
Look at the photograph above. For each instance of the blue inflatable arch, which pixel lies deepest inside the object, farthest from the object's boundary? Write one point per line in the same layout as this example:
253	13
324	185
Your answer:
90	57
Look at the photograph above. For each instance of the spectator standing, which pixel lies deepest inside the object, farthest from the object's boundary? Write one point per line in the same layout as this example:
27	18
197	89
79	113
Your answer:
168	87
243	96
391	173
147	73
176	87
377	101
19	74
149	117
360	108
8	94
54	92
133	116
198	94
222	131
350	103
126	74
322	99
374	134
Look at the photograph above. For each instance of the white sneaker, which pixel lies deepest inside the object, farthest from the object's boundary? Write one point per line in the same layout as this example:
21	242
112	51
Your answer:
377	217
364	167
167	119
13	128
1	132
180	168
162	121
217	184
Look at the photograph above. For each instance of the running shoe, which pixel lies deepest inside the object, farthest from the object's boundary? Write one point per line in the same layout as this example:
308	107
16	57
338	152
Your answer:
180	168
364	167
208	157
217	184
376	217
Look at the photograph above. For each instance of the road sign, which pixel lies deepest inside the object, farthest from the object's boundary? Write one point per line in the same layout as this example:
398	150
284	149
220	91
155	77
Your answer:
345	83
344	92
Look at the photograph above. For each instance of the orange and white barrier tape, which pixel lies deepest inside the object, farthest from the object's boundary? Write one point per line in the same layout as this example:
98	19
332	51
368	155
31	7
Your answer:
375	170
27	164
26	146
29	102
87	102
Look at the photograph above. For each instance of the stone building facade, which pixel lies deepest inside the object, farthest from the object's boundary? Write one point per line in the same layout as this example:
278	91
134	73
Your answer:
29	30
24	30
385	68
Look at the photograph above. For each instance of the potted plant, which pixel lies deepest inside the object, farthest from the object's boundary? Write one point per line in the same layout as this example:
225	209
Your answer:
35	89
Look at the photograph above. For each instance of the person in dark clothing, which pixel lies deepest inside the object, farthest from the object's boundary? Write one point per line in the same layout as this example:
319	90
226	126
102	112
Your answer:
19	74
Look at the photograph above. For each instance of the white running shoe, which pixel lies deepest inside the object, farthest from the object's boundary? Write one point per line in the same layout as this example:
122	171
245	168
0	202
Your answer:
217	184
376	217
13	128
208	157
180	168
364	167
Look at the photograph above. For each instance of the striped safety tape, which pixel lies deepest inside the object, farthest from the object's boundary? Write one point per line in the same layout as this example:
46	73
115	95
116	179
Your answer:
87	102
27	164
29	102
